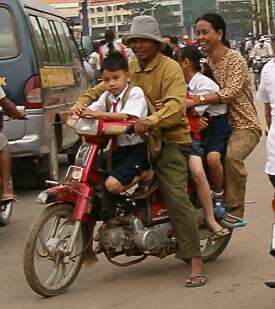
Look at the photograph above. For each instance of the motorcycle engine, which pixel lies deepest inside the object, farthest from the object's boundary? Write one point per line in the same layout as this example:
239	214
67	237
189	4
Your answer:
136	237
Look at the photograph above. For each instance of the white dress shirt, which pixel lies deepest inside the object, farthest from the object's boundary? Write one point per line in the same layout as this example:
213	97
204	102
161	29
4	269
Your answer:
200	85
266	94
135	105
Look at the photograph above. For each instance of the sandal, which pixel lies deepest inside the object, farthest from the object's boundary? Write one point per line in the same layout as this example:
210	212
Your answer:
196	280
220	234
233	221
6	198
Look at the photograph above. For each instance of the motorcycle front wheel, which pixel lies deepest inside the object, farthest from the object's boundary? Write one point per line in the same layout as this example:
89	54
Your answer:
48	269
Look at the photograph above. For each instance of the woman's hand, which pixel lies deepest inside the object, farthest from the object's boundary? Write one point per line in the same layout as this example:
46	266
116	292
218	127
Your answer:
203	123
196	100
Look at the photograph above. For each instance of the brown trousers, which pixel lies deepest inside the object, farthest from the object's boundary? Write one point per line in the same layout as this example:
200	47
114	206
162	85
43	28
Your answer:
241	143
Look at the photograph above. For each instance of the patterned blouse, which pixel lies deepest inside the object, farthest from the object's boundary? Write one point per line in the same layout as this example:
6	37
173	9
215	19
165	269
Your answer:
233	77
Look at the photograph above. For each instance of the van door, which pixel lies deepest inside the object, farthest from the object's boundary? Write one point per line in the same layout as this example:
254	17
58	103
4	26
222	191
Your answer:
15	64
60	73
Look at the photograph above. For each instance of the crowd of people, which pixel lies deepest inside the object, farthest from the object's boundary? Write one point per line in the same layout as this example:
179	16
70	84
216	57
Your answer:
205	110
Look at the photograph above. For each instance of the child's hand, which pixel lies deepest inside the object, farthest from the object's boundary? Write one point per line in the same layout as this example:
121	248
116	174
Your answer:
203	123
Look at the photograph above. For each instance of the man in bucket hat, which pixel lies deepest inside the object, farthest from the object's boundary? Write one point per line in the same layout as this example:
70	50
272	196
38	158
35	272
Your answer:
162	81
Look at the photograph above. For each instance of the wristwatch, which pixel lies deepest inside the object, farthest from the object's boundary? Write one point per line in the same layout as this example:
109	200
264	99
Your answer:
202	99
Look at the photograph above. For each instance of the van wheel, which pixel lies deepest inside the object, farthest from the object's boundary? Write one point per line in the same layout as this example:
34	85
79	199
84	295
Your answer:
48	166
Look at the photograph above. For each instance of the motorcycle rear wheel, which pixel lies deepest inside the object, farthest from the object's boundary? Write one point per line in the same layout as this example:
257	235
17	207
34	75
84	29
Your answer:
48	235
211	249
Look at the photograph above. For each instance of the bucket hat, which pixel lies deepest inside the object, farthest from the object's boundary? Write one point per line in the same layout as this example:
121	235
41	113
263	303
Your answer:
145	27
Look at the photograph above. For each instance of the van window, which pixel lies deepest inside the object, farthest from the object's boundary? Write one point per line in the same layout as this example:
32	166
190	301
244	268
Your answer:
50	42
57	42
8	43
63	42
72	43
44	54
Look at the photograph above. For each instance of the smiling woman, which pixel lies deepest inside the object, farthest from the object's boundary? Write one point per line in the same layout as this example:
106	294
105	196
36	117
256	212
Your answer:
231	73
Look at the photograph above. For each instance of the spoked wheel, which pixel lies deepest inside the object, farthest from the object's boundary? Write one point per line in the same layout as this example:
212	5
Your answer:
5	213
211	249
48	268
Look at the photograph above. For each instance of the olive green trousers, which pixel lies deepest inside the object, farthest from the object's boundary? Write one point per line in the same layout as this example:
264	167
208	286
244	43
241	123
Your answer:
172	176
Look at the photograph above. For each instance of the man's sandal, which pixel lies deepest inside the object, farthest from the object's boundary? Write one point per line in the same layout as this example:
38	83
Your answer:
220	233
196	280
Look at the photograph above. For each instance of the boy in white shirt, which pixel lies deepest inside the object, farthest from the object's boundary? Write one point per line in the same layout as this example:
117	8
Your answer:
121	101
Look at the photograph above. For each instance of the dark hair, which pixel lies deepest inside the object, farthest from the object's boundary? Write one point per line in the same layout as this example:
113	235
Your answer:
114	62
167	36
109	39
174	40
167	51
109	36
192	53
217	23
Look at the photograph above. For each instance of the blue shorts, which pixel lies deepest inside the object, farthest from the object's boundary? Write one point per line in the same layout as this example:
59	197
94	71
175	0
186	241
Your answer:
215	136
129	162
197	148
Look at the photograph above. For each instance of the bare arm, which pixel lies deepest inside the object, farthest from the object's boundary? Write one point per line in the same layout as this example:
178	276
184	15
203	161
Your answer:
10	109
104	115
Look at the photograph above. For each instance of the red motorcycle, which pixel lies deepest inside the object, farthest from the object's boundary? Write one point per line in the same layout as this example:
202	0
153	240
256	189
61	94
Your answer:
62	236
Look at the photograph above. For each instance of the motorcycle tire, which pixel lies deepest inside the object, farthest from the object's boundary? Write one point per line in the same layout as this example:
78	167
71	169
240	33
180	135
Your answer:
214	248
59	280
5	215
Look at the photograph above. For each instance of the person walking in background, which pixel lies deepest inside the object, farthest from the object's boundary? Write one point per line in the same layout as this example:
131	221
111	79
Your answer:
110	45
266	94
231	73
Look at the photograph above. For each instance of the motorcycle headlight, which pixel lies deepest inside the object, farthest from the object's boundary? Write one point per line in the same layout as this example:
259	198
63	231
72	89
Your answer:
45	197
86	126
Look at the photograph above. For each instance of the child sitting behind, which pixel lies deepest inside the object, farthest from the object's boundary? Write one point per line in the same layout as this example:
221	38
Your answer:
210	143
121	101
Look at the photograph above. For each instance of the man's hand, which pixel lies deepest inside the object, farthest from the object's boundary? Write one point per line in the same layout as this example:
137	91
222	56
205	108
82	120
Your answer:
88	113
143	125
203	123
79	110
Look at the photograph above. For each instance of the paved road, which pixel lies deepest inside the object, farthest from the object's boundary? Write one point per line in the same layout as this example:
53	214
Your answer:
236	277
